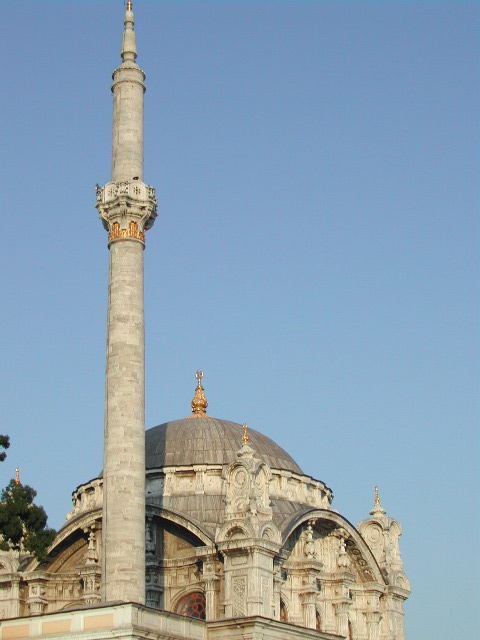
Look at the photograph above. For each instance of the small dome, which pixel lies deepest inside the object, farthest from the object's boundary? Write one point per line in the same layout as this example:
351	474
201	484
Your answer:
206	440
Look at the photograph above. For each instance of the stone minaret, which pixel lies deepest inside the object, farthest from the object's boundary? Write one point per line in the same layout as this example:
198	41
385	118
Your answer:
127	208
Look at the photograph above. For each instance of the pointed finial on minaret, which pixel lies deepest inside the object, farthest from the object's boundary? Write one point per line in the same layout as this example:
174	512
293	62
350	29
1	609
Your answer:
17	475
377	511
245	434
129	44
199	402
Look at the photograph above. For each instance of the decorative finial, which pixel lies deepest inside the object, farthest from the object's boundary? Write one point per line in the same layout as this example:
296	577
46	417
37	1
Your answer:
17	475
245	434
199	402
129	44
378	511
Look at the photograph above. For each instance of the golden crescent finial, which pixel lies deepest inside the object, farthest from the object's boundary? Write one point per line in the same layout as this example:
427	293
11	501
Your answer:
17	475
245	434
199	402
377	499
129	5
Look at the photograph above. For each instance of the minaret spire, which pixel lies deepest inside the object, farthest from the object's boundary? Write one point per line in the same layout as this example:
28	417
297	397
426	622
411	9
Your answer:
128	89
129	45
127	208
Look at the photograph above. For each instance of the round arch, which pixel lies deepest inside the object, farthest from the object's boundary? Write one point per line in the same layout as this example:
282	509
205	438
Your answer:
338	521
190	524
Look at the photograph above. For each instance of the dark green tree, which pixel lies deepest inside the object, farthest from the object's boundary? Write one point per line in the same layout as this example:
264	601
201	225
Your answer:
23	524
4	444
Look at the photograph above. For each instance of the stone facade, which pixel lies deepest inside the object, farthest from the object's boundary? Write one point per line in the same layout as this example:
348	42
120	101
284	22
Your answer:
301	565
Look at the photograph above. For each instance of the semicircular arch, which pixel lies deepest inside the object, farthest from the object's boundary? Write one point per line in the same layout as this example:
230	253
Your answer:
68	535
339	521
190	524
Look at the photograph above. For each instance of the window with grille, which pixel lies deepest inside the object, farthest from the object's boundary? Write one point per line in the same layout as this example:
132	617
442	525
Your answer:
192	605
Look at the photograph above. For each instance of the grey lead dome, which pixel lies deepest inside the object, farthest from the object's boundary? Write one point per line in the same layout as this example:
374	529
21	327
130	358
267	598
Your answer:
208	440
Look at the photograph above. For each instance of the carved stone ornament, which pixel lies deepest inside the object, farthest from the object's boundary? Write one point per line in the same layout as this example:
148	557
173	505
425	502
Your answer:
309	549
126	209
248	488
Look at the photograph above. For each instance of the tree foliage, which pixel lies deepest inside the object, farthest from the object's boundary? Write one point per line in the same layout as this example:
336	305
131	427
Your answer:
23	524
4	444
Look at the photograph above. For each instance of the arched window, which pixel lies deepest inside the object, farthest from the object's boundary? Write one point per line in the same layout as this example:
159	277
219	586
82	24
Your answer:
283	612
192	605
350	633
318	623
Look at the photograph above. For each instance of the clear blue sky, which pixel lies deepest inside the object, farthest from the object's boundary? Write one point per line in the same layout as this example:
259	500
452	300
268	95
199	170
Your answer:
316	251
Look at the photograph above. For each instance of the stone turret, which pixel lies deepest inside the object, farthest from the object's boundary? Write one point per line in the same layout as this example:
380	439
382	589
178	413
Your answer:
382	534
127	208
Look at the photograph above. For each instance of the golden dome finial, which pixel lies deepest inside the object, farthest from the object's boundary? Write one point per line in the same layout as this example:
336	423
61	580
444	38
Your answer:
199	402
377	499
245	434
17	475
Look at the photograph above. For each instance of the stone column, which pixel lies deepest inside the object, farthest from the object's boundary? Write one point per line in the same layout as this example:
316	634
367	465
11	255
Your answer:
127	208
341	611
309	599
373	624
212	588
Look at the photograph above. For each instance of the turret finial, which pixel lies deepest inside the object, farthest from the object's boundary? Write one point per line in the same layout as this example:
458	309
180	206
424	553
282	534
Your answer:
199	402
378	511
17	475
245	434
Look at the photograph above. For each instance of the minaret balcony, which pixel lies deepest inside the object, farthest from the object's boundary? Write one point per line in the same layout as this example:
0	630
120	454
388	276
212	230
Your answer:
126	209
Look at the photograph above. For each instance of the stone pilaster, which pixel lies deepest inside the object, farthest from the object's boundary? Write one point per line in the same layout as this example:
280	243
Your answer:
277	589
305	575
36	600
248	570
211	571
91	574
154	590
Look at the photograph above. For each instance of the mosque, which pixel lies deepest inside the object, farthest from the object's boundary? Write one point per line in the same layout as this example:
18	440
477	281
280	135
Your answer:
200	527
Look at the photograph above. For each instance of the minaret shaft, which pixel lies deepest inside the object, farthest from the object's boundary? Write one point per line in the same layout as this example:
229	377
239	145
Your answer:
127	208
124	456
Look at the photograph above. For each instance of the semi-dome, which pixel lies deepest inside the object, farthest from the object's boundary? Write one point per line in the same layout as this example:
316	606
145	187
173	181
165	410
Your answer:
201	439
